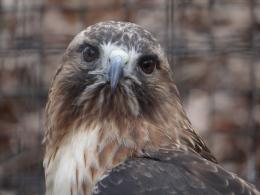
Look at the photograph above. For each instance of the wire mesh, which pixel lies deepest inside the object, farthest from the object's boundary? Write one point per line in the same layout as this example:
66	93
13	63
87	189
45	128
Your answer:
213	48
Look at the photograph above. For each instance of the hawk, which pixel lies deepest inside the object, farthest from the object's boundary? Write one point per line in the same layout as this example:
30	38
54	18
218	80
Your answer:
115	123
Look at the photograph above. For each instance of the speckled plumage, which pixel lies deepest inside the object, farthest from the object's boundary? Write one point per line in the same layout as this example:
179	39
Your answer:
95	134
171	172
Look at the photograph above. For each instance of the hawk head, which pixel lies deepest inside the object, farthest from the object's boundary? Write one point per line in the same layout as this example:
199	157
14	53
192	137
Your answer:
113	71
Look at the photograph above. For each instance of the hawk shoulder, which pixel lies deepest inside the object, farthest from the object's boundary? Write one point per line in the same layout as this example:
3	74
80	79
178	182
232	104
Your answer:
171	172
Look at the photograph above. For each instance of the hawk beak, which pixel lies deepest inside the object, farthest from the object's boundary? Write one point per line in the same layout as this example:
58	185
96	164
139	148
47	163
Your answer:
117	60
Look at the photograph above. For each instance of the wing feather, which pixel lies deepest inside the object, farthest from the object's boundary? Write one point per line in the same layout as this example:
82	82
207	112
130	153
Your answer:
168	172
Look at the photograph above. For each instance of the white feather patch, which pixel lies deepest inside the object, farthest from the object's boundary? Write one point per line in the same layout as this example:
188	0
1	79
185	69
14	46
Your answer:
132	54
61	173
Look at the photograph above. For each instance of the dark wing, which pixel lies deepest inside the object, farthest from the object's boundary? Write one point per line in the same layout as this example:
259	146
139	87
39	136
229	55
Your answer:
167	173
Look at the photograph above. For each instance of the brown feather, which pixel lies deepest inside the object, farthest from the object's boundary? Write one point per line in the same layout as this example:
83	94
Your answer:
143	113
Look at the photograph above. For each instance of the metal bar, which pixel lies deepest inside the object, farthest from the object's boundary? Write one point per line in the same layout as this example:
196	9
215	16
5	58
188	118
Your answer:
251	164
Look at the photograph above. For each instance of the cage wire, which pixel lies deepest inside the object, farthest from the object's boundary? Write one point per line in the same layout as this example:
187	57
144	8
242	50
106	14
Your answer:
212	46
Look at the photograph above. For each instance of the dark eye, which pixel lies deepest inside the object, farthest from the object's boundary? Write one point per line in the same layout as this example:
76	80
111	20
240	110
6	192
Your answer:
90	53
148	64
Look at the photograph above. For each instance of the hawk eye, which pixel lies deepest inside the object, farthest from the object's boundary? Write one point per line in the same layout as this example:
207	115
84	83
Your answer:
148	64
90	53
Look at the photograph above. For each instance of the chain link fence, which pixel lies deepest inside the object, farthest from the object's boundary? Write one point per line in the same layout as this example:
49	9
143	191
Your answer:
213	47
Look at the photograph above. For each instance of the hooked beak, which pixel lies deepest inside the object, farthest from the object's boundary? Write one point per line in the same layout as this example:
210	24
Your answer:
117	60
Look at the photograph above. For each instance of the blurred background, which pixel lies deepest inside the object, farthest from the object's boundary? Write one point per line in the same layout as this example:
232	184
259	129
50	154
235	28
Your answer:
213	47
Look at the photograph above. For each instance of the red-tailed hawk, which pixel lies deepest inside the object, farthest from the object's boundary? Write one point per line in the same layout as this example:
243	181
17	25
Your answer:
115	123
